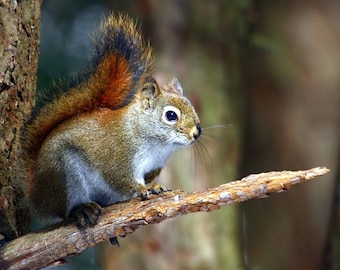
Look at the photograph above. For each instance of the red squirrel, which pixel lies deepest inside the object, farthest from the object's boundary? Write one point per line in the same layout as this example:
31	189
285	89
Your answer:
107	137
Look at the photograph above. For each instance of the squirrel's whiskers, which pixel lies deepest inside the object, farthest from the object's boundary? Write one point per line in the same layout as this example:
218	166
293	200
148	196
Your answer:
204	152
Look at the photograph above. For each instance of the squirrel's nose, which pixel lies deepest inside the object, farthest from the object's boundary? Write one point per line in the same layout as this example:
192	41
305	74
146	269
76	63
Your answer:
196	131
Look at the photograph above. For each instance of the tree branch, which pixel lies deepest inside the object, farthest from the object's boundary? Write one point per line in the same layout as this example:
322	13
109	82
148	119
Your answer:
50	246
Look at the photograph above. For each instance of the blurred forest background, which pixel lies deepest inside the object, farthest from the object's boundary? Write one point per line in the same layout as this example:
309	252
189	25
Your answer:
270	70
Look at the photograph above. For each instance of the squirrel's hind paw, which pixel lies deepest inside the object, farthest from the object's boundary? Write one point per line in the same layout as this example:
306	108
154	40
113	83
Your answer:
86	215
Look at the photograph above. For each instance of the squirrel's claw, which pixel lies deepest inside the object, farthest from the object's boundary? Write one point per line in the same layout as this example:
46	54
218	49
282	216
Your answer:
144	192
87	215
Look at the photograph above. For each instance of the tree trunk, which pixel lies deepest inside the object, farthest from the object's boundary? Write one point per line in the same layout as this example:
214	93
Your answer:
19	41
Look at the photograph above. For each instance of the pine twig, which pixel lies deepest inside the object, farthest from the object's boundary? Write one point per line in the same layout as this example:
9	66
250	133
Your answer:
51	245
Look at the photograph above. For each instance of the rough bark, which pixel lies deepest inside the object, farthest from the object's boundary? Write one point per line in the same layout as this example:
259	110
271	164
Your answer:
50	246
19	41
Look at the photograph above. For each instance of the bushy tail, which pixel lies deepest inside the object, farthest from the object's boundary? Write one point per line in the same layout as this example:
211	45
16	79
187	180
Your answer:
120	59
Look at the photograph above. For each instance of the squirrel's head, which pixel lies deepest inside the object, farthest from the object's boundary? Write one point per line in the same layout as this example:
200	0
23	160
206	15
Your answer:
170	114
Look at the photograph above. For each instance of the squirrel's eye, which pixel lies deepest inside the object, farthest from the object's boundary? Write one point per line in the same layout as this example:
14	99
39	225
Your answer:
171	115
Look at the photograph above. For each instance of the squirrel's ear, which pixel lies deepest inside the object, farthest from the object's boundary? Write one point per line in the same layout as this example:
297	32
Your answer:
149	93
177	86
174	87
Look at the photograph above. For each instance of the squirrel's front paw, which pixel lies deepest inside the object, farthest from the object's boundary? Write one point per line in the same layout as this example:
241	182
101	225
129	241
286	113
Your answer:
154	188
86	214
